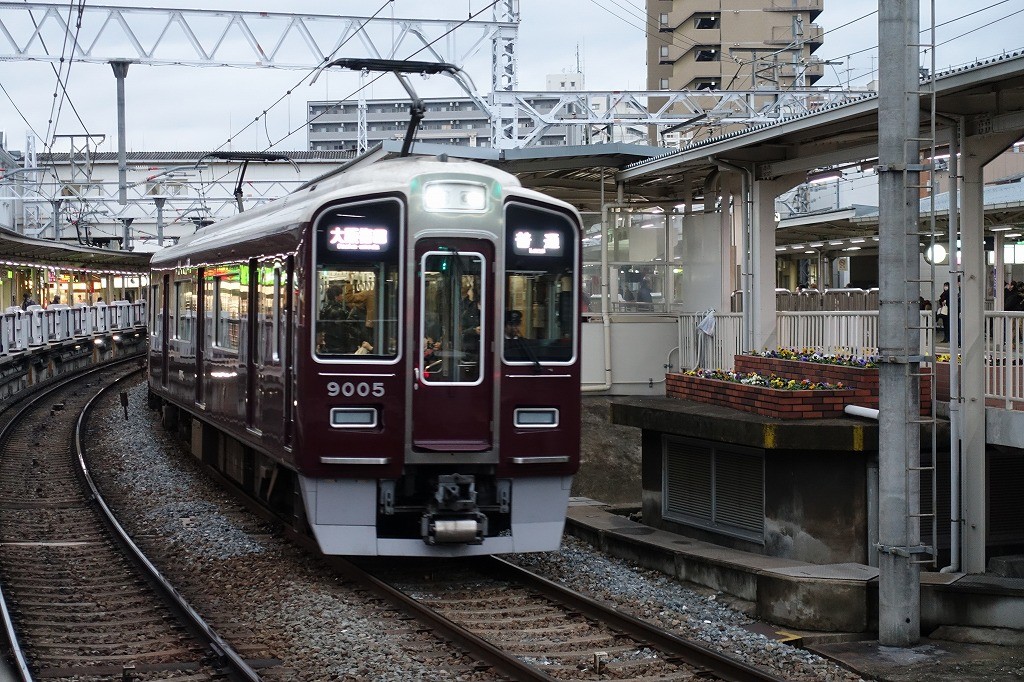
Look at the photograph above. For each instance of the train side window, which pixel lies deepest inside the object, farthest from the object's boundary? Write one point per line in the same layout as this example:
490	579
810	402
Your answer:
356	295
541	309
156	310
183	309
231	302
268	315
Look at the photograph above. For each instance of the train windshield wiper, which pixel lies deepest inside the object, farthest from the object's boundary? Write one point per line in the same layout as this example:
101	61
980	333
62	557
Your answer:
528	352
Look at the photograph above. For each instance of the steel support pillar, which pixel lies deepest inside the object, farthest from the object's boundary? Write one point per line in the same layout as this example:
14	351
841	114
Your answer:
120	72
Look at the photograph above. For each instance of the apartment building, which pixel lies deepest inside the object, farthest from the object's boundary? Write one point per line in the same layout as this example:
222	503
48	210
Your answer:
456	121
733	44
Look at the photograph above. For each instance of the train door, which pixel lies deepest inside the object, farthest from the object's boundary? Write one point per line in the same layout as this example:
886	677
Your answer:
267	389
163	327
452	393
204	303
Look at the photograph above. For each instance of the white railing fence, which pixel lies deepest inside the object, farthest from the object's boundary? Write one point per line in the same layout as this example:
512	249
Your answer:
21	330
856	333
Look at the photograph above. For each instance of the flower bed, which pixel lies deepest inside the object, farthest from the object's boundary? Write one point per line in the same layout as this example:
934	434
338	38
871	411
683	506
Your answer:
794	402
858	373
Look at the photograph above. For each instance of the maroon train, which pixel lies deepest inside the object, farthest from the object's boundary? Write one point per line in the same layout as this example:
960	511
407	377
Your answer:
389	355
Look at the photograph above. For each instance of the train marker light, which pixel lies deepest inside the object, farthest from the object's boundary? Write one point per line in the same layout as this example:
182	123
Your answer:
353	417
460	197
535	417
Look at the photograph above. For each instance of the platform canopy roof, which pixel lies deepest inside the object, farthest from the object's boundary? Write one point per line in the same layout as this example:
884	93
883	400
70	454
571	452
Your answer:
22	250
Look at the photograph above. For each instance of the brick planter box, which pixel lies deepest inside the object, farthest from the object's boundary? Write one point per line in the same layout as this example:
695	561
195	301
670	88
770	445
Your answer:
865	378
769	402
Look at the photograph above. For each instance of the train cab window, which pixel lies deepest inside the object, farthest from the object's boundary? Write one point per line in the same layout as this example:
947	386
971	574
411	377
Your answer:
540	292
357	252
451	313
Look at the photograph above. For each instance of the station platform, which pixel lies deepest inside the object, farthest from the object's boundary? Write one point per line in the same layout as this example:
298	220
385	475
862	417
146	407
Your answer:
974	623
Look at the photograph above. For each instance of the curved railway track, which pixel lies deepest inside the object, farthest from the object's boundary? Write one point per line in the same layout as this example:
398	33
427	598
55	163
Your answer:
80	602
530	628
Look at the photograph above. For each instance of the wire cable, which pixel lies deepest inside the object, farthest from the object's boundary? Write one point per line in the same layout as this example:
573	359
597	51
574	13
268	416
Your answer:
381	75
313	71
62	80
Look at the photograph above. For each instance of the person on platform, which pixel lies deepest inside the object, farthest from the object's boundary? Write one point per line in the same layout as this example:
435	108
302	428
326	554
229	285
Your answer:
1011	297
943	312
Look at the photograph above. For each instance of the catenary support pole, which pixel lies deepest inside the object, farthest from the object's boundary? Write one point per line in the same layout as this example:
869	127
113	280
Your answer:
899	592
120	72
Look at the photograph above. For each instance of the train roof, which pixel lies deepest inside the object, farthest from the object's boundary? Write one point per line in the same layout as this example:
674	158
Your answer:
364	175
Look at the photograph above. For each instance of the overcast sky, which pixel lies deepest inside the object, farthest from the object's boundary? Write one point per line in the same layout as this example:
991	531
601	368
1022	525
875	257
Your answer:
189	108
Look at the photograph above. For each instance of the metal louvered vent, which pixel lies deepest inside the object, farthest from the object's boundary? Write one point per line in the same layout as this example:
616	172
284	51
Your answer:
688	489
739	490
715	487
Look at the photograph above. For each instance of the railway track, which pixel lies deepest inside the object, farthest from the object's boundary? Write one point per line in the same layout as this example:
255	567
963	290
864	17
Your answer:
529	628
79	601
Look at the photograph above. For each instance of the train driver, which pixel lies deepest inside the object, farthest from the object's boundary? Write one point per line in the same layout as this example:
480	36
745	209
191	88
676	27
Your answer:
513	318
335	332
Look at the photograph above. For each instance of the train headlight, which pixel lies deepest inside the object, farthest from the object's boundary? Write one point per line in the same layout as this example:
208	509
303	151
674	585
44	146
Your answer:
353	417
461	197
535	417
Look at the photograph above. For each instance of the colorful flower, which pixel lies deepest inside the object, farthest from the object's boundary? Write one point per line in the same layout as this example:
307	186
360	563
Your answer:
813	355
771	381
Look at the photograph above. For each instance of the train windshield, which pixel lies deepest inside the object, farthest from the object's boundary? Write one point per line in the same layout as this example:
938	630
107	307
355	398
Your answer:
540	292
357	264
451	318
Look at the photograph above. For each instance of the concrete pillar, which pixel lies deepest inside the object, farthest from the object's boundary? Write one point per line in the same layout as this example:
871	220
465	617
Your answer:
763	279
899	439
971	331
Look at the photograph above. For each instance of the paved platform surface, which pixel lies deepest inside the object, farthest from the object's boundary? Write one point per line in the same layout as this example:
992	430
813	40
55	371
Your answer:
950	653
931	660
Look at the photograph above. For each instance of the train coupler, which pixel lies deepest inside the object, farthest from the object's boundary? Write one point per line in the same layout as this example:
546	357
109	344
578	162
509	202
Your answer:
448	529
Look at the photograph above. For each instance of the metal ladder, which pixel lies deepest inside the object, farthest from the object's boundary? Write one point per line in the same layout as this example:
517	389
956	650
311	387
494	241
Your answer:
924	474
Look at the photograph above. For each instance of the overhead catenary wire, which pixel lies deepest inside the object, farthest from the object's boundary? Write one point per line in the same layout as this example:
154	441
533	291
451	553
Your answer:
369	82
870	73
381	75
311	72
60	93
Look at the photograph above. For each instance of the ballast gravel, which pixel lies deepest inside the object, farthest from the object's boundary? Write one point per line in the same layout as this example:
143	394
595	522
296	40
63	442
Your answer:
229	562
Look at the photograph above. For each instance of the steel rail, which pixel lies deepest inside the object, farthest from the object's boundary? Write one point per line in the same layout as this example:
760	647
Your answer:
499	660
691	653
220	647
21	663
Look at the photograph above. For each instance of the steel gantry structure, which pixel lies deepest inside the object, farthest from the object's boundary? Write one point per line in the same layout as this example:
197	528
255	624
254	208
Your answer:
163	36
246	39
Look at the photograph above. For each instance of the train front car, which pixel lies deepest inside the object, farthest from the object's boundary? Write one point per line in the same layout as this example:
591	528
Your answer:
439	404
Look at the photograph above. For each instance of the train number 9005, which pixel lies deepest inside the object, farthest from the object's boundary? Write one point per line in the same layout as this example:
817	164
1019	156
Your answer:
361	389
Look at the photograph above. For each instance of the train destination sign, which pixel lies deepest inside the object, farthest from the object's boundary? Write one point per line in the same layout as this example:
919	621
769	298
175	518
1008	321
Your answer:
537	243
357	238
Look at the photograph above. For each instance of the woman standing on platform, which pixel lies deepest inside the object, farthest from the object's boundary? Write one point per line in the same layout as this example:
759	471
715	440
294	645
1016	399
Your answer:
943	312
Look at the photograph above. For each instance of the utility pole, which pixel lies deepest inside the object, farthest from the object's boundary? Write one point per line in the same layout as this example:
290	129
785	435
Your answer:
899	437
